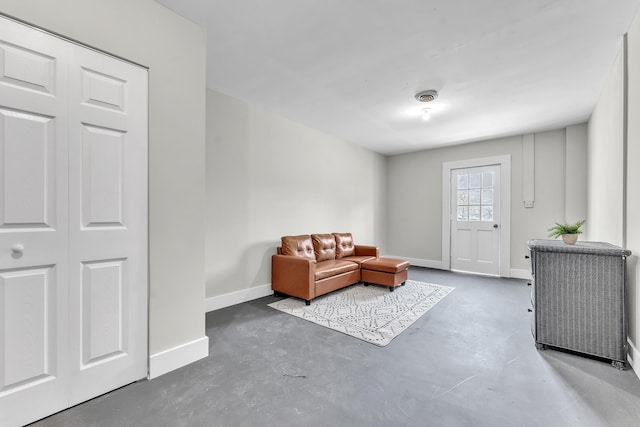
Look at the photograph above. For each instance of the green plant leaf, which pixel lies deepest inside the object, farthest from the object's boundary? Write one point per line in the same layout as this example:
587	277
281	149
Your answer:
559	229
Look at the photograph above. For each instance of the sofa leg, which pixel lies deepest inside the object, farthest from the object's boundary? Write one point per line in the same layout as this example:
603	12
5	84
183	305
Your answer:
307	302
392	288
365	283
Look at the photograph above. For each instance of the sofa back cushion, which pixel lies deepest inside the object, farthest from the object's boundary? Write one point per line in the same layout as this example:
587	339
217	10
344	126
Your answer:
344	245
324	246
300	246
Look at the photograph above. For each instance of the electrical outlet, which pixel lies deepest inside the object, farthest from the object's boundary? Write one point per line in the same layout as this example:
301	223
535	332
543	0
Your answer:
528	203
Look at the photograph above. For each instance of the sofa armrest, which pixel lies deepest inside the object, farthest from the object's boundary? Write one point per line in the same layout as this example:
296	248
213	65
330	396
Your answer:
293	276
364	250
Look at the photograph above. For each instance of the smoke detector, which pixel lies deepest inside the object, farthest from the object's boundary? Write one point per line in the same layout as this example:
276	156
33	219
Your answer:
427	96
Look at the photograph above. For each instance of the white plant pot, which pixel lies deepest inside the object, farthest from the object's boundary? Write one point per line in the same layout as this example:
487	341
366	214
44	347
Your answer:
570	239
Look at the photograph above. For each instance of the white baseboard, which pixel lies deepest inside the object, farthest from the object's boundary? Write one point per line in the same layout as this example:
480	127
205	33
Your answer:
427	263
520	274
177	357
633	356
237	297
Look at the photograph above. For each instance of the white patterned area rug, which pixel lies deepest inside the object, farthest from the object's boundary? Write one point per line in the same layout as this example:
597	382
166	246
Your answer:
370	313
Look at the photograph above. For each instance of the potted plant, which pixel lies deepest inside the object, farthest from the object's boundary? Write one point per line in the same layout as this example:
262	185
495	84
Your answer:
568	232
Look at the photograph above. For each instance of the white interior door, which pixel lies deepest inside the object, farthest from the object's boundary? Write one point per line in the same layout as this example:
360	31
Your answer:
34	236
73	223
475	219
107	223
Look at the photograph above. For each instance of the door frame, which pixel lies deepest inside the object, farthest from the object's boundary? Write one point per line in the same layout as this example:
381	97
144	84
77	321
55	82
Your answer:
505	207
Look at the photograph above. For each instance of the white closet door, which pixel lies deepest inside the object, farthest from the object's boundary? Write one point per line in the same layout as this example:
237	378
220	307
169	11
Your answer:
73	215
34	374
108	223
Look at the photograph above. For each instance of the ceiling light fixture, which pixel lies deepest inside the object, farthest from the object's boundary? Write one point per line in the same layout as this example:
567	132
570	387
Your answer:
426	96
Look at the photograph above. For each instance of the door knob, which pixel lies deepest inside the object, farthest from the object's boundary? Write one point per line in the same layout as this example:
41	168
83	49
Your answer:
17	250
495	225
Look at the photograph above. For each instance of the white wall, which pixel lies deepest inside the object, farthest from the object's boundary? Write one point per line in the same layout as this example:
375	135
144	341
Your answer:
268	177
606	159
415	193
632	216
632	197
576	175
614	205
174	50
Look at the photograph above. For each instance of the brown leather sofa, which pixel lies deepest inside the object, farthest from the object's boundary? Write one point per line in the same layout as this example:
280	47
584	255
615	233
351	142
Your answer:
308	266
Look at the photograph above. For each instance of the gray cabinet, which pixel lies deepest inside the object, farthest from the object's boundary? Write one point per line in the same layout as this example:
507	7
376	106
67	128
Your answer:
578	298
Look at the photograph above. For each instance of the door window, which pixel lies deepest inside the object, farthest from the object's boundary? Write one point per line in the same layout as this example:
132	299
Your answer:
475	196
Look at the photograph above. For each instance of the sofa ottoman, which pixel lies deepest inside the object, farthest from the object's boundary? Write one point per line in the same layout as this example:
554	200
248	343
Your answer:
385	271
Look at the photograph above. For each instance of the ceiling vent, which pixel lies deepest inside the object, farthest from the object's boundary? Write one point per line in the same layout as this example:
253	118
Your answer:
427	96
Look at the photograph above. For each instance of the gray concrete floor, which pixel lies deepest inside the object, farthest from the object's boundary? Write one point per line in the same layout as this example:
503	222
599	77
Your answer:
469	361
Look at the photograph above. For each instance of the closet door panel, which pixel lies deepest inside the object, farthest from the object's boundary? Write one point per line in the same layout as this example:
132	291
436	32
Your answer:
34	338
108	223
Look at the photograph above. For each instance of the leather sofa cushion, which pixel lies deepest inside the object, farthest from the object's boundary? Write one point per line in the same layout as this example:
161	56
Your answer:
332	268
324	246
358	259
344	245
300	246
